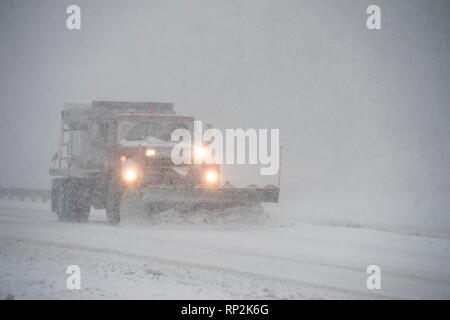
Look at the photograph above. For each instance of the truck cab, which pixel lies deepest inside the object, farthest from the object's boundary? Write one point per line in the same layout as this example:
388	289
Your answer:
110	146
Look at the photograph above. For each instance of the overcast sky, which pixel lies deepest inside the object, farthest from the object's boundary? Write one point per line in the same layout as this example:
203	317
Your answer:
342	96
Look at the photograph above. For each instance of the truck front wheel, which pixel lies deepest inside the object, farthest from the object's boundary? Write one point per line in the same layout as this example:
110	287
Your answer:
61	207
113	207
71	200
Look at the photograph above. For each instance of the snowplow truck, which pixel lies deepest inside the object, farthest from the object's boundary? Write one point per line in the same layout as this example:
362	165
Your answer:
108	148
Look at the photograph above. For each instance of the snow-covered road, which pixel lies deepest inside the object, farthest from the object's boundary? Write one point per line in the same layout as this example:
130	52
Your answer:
270	259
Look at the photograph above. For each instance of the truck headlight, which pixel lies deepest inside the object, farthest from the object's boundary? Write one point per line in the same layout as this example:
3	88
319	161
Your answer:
130	175
212	176
150	152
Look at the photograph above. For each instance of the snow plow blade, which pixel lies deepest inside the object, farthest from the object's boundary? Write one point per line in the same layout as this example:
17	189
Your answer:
210	196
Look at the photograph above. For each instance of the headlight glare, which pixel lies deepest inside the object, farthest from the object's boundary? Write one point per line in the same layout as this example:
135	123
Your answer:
200	153
130	175
212	176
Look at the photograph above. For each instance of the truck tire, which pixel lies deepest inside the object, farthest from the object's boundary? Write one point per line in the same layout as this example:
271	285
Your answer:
71	199
113	200
61	207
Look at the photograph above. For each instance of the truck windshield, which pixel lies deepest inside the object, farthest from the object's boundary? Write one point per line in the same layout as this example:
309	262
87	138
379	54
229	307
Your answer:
142	131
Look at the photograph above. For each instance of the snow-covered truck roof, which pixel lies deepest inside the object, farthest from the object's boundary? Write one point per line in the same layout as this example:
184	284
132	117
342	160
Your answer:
78	116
